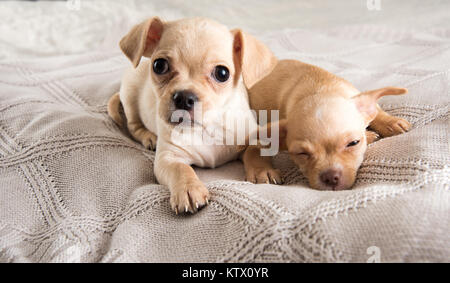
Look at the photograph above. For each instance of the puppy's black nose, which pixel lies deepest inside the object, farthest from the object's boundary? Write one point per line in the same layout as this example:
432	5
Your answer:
184	100
331	177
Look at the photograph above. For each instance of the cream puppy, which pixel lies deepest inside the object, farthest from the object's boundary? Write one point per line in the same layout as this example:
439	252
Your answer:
323	121
190	64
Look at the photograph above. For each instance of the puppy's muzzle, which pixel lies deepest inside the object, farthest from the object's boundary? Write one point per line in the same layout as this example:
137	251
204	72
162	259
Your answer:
184	100
184	103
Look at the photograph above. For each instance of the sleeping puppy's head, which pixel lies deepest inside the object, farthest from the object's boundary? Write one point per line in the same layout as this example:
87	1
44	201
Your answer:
196	62
326	136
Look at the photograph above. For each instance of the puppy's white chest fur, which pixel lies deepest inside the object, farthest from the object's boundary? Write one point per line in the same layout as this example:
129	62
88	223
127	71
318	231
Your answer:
218	139
211	156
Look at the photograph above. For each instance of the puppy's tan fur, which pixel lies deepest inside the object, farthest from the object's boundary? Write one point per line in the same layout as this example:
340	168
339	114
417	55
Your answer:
320	115
193	48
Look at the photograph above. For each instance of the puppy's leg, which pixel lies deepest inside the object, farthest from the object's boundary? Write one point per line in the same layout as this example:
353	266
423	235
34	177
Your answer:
135	126
141	134
113	109
187	192
387	125
259	169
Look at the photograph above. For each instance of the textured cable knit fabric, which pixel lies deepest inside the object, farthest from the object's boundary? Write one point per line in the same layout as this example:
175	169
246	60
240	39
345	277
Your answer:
75	187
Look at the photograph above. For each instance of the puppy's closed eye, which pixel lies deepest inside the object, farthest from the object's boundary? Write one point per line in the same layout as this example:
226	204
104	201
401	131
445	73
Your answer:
353	143
303	156
301	151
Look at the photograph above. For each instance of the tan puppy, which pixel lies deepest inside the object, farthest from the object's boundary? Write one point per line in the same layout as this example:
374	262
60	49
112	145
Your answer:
323	121
189	62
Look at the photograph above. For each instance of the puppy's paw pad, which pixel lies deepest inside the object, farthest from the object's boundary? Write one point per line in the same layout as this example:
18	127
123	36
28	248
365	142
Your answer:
189	198
264	176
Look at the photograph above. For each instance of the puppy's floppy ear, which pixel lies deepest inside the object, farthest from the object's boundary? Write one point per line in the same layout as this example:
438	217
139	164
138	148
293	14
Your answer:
366	102
251	57
141	40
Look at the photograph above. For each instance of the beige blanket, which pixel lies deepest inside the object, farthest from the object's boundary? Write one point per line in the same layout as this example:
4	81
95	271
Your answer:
74	187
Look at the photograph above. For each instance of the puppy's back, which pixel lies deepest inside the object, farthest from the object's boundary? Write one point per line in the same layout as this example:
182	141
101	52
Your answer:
289	82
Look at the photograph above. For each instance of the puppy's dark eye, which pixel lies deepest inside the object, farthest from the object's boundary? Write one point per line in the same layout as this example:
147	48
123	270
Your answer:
221	74
160	66
353	143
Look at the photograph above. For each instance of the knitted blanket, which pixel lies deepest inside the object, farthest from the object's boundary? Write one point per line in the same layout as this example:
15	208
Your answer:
76	188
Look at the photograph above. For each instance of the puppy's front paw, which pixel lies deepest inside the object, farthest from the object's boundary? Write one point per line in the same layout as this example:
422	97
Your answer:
189	197
393	126
264	176
371	137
